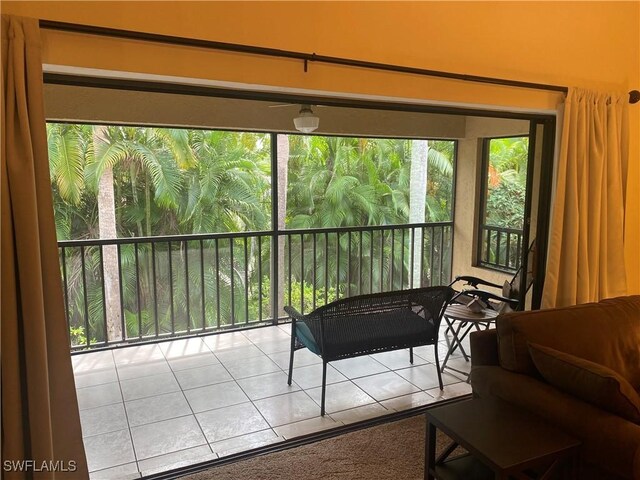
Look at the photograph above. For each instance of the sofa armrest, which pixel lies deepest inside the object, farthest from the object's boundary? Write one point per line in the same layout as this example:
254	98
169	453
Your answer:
610	443
484	347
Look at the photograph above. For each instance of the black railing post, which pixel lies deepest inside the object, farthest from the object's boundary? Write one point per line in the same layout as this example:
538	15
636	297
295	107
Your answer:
104	296
259	278
172	309
155	289
123	324
87	332
202	289
217	244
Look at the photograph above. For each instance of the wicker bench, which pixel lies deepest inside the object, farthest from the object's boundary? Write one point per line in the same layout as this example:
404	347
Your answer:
367	324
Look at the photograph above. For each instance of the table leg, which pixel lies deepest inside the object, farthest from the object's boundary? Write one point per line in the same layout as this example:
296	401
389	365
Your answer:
574	464
449	329
460	338
459	341
455	343
429	451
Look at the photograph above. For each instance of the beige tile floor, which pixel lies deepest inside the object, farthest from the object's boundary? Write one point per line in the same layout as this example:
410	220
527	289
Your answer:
149	408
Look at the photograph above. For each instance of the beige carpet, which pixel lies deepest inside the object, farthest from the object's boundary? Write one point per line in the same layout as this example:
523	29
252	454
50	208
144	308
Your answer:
390	451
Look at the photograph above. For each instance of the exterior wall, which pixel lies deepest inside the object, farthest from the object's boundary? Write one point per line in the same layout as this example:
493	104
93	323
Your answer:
587	44
468	192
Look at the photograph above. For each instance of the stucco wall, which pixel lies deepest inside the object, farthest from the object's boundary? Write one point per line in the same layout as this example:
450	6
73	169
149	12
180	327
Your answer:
468	192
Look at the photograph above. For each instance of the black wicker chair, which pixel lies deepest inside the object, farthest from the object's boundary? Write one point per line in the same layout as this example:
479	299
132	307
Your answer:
367	324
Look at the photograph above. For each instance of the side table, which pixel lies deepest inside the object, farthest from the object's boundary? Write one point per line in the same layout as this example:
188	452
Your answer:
502	442
467	320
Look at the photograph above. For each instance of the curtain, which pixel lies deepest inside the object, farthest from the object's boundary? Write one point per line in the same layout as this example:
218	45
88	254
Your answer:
586	251
40	419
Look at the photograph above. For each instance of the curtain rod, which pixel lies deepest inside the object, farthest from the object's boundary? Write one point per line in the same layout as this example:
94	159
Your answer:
634	95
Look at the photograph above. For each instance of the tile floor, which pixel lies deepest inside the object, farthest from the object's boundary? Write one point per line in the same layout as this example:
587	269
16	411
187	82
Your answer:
149	408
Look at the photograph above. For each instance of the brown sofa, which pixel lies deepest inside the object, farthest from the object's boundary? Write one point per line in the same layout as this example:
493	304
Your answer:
606	333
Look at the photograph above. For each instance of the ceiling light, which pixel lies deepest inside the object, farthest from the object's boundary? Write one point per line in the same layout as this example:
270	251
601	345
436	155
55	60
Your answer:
306	121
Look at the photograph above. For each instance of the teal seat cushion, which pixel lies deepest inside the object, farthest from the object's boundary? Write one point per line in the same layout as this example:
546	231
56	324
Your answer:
306	337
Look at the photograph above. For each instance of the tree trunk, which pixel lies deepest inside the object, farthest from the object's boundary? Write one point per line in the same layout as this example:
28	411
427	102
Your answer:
107	229
282	176
417	202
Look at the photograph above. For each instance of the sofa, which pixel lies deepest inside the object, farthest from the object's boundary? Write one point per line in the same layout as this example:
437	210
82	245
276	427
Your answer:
577	367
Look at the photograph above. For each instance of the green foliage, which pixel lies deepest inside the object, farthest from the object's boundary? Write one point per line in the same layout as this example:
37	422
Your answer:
505	205
166	181
179	181
79	337
176	181
341	181
506	182
66	161
297	289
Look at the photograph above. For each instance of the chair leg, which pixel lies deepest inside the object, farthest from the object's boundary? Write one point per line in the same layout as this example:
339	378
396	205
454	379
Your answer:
290	378
411	355
324	386
293	344
435	348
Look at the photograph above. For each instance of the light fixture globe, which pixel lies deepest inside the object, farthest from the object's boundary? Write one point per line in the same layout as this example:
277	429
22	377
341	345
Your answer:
306	121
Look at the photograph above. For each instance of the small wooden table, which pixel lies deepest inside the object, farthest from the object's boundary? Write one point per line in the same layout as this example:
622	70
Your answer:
467	320
503	442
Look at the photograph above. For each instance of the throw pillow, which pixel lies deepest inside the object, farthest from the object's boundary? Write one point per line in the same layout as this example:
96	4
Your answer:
589	381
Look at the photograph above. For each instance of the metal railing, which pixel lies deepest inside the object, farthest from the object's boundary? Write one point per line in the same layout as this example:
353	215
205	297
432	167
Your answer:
500	248
135	289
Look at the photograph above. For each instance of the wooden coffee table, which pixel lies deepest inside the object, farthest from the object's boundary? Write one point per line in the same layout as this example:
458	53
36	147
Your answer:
503	442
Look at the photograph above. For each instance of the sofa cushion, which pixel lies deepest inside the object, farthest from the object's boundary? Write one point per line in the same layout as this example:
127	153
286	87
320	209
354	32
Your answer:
589	381
607	333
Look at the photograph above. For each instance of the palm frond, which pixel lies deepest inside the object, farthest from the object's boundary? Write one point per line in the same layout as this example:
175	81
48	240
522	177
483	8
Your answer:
67	163
440	161
106	155
167	181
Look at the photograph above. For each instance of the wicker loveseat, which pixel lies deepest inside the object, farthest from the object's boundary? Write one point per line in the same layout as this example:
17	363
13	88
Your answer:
367	324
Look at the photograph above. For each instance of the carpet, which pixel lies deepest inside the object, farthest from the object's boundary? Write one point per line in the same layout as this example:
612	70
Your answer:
392	450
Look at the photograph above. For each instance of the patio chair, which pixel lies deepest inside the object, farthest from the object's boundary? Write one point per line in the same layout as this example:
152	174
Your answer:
508	299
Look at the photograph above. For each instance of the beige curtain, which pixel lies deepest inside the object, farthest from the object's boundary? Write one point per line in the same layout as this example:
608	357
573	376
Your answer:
40	419
586	253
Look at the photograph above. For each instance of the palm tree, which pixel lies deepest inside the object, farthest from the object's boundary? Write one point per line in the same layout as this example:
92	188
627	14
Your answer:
417	196
151	154
107	229
282	176
334	182
148	159
337	181
227	190
440	180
